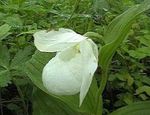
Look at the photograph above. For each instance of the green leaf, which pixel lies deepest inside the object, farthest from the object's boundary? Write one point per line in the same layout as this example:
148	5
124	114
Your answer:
28	32
4	66
130	80
34	71
4	78
140	108
140	53
100	5
143	89
118	30
4	56
14	21
21	57
125	76
145	80
145	40
128	98
43	104
4	31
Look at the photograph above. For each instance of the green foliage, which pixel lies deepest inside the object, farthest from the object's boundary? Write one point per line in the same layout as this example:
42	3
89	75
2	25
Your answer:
4	78
4	31
140	53
14	67
143	89
140	108
47	105
117	32
4	66
21	57
123	38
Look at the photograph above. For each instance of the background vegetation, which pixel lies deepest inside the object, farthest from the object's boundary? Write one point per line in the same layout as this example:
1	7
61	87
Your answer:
129	76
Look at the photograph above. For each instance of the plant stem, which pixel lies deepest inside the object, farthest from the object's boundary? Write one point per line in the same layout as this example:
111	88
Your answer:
104	77
77	2
99	105
22	98
1	106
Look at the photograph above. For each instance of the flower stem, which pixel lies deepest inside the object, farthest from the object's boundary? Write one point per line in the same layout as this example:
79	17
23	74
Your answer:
95	36
104	77
99	105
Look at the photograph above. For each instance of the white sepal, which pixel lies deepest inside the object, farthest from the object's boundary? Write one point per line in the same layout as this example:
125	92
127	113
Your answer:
53	41
89	52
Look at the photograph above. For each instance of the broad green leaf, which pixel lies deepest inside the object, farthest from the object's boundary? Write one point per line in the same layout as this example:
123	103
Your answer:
4	31
118	30
140	108
43	104
34	71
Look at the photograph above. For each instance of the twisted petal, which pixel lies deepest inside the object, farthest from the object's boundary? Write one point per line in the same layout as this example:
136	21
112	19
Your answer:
89	52
54	41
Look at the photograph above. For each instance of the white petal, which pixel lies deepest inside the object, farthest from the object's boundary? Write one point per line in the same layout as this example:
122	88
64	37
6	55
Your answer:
53	41
90	63
62	74
94	47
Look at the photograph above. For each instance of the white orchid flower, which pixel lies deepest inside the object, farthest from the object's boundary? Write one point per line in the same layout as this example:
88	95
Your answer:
72	69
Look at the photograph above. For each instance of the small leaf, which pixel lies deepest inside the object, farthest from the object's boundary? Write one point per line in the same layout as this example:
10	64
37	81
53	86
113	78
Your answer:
100	5
145	40
4	31
140	53
143	96
13	107
124	76
14	21
128	98
5	78
21	57
146	80
143	89
4	56
130	80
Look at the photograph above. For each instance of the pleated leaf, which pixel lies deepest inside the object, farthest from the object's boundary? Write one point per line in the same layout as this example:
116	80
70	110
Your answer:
118	30
140	108
43	104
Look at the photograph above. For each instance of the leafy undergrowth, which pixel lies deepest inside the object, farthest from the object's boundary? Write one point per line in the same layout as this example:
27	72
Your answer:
129	75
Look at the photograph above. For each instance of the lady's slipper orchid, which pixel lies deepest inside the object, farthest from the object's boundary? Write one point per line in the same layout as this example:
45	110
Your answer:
72	69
